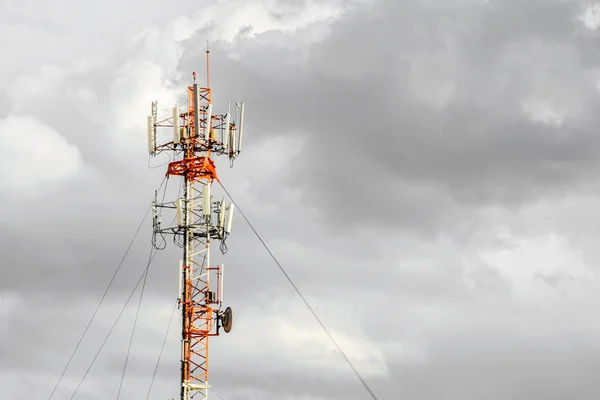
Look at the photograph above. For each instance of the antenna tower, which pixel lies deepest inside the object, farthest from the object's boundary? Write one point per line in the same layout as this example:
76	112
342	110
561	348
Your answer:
197	135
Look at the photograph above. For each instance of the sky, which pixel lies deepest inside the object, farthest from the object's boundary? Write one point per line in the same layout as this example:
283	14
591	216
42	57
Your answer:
426	171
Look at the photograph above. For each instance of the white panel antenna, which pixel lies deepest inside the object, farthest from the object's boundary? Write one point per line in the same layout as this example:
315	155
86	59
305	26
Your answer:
206	199
208	126
227	130
229	218
179	212
182	342
233	147
176	131
222	215
151	135
241	127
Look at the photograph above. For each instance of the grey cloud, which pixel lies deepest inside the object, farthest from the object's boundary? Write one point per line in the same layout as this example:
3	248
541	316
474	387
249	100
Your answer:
355	97
474	368
379	231
4	104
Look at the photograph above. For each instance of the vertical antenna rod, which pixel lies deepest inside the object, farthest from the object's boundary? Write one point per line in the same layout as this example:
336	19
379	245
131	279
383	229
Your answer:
200	220
207	66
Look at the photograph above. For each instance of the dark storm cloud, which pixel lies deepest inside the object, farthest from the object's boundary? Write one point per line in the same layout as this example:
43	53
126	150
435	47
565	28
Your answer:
367	100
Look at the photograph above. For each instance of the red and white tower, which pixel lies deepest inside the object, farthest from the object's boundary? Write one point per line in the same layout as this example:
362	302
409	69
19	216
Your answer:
197	135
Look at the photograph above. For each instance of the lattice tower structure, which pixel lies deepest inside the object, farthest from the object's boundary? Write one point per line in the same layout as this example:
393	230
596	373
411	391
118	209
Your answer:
198	135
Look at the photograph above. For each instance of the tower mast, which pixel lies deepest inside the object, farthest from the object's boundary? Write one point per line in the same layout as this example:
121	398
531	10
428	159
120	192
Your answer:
198	134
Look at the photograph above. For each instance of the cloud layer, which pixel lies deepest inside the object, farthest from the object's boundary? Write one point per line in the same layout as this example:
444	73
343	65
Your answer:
425	171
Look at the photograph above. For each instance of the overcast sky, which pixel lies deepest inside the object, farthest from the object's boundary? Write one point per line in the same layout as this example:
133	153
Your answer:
428	172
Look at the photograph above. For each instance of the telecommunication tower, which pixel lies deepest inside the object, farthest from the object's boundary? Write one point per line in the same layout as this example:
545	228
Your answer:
197	135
